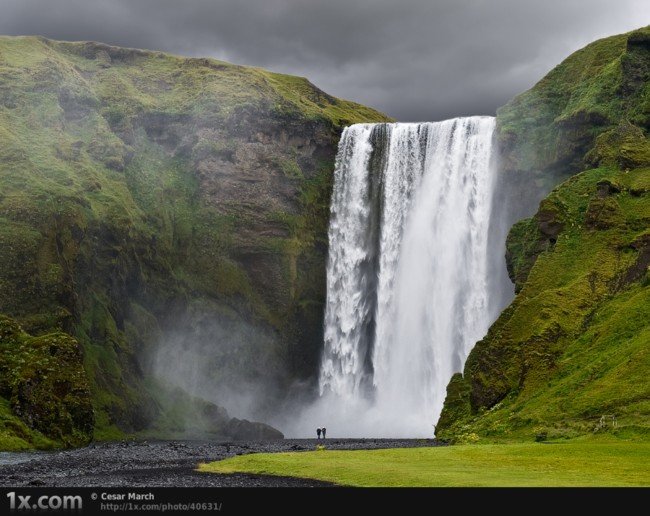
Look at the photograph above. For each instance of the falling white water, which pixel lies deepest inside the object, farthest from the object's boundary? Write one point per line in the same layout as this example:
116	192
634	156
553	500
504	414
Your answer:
407	286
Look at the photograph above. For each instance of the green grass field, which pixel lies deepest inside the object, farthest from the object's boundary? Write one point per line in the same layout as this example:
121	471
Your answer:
530	464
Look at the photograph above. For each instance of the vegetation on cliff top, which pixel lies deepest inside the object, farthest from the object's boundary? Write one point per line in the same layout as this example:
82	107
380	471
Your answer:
137	187
602	88
570	355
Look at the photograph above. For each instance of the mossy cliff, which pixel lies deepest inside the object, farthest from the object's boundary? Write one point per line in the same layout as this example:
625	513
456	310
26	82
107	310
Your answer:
570	354
44	394
143	193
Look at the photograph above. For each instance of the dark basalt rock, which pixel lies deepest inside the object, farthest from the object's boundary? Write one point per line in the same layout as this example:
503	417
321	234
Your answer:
244	430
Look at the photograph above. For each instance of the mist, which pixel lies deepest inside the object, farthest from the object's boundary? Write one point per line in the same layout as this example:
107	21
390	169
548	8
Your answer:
222	359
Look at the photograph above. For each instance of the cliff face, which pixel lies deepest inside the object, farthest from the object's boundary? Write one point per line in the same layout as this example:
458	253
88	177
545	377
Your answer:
573	345
143	195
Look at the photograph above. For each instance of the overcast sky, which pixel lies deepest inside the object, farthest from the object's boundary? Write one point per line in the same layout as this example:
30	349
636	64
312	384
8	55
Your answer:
412	59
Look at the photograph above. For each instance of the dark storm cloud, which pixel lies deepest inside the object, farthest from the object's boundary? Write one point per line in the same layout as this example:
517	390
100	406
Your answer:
413	59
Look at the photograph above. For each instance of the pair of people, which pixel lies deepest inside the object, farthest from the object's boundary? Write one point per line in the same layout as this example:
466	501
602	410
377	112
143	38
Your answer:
322	431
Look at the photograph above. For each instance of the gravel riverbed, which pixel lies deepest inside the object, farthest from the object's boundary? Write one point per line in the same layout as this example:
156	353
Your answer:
165	463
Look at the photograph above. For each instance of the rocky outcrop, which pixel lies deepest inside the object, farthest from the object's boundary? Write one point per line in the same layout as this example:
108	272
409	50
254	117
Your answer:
244	430
45	383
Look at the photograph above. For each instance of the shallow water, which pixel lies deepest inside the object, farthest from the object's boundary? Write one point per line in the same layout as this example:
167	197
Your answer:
9	458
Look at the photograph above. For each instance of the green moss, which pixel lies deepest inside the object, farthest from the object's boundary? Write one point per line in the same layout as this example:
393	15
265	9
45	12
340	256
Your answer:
15	435
599	90
290	169
44	390
525	241
604	214
625	146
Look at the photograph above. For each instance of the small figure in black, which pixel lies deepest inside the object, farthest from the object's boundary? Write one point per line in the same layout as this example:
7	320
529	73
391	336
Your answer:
318	430
323	430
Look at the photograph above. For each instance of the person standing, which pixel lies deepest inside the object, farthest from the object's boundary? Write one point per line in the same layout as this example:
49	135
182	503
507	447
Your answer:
323	430
318	432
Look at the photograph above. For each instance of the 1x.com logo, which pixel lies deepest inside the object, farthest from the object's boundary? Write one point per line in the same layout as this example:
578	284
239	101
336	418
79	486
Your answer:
54	502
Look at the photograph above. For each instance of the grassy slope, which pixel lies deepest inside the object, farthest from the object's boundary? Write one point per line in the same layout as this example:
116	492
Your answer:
16	435
105	227
569	464
573	345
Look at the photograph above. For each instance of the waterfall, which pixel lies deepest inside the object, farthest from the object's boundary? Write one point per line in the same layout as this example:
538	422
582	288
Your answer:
407	276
